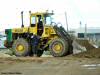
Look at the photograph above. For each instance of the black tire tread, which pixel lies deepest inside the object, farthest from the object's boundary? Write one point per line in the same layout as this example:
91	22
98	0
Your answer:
21	41
64	52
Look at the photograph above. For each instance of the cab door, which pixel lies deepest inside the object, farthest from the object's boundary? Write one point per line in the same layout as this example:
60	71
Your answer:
40	25
33	24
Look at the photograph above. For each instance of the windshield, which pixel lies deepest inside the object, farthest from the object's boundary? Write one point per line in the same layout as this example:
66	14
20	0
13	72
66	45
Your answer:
48	20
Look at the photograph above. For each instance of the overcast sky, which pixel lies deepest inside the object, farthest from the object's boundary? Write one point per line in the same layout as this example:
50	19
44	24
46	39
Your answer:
87	11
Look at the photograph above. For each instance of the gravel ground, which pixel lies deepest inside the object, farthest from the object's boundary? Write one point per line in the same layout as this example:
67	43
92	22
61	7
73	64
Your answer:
49	66
84	63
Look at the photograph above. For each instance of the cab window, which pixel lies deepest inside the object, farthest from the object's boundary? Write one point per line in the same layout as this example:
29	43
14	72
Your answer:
47	19
33	21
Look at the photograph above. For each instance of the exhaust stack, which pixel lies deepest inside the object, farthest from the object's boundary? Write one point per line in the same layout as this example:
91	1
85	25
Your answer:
22	19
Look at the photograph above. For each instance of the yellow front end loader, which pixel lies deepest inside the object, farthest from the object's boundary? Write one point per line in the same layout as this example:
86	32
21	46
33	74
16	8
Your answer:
52	38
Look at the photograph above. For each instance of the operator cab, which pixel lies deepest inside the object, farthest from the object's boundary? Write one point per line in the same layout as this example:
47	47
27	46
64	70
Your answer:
36	20
39	20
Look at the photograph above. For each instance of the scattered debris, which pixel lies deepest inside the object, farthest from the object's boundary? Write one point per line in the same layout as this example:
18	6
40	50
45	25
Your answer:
6	53
91	66
77	48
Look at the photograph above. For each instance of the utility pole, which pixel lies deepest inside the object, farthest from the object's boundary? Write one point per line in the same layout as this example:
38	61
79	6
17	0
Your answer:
66	20
85	33
80	24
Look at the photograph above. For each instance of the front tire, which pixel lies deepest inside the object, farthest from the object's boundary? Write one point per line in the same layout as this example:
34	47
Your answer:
58	47
20	47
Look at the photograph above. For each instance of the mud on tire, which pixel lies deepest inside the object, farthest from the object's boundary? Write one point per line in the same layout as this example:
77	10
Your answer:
64	47
25	44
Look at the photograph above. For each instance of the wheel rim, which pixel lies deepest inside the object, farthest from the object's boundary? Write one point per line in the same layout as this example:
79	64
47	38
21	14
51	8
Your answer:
20	48
57	47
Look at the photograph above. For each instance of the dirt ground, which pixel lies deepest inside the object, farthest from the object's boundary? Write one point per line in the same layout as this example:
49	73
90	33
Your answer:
84	63
49	66
93	53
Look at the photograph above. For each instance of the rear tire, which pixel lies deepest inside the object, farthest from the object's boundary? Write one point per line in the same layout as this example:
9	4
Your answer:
61	49
24	50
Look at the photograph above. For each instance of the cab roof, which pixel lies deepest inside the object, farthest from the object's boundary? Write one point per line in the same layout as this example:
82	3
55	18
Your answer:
42	13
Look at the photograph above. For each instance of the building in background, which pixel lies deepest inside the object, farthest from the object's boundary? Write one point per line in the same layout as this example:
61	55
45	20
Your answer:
92	34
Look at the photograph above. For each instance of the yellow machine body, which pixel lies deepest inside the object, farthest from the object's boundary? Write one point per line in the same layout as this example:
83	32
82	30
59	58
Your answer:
52	38
48	30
